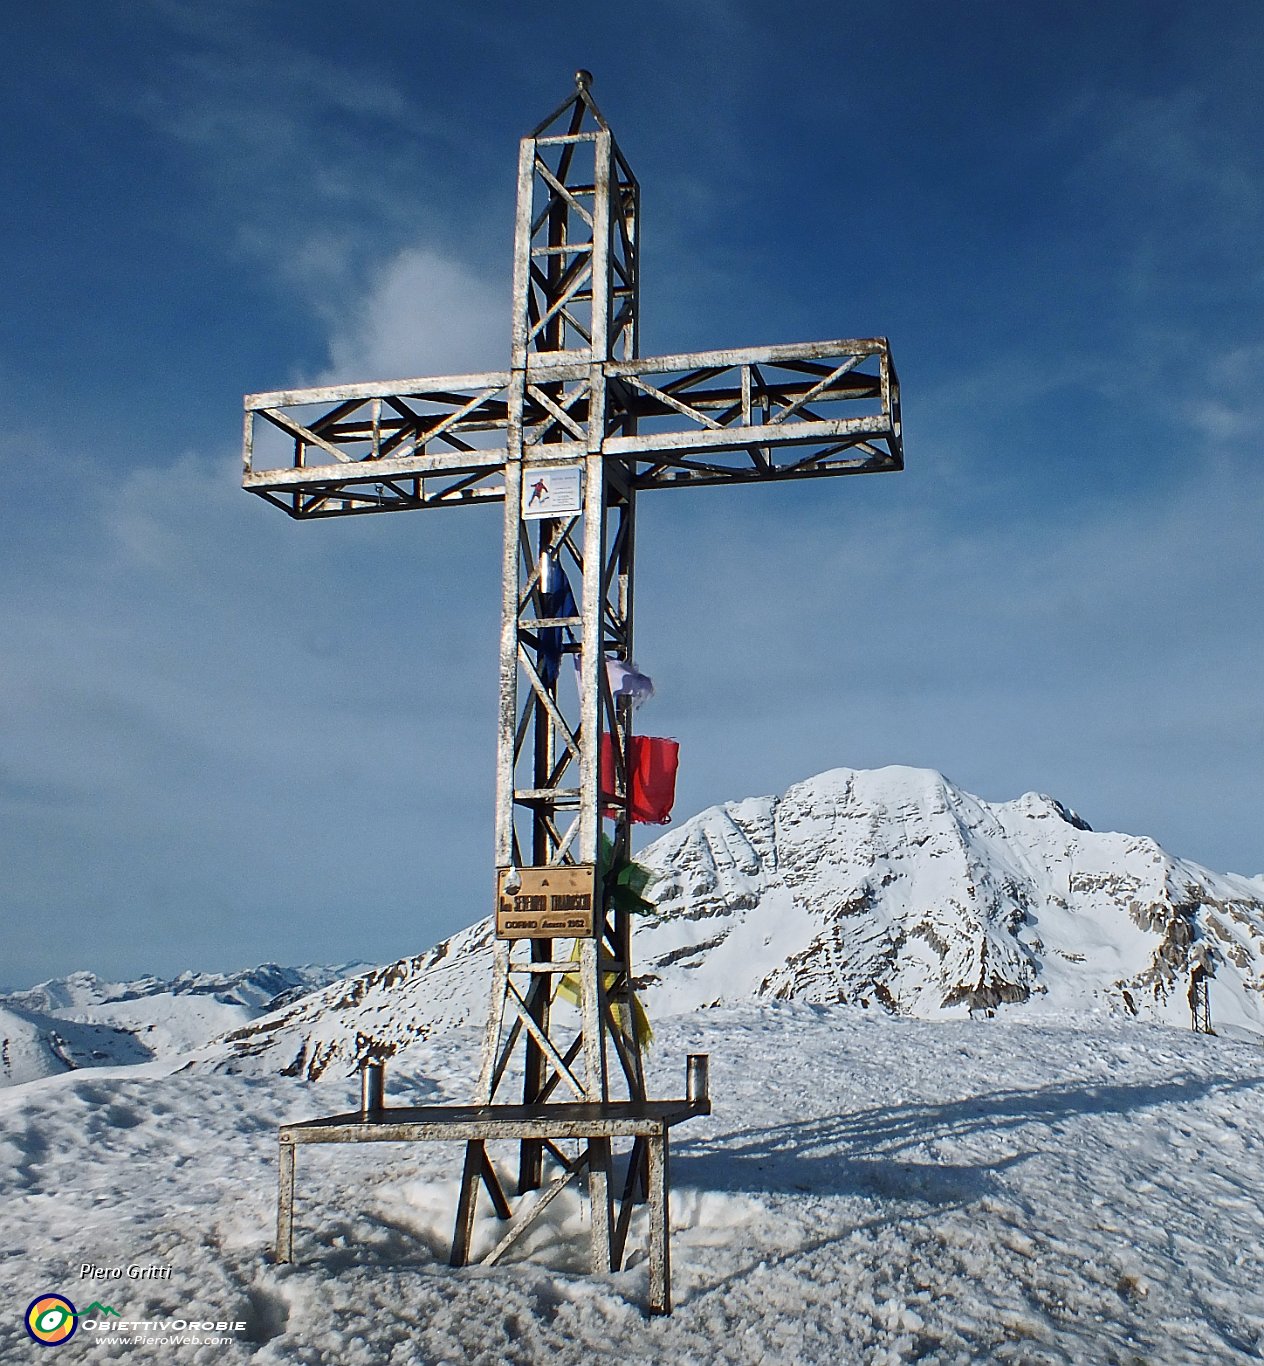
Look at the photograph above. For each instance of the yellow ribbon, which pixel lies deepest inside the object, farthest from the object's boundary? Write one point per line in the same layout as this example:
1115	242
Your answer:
568	989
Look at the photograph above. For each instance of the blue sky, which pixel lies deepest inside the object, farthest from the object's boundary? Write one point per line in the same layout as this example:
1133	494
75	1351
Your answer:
226	738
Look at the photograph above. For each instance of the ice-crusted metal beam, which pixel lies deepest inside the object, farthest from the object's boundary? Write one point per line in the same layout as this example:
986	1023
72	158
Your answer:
731	416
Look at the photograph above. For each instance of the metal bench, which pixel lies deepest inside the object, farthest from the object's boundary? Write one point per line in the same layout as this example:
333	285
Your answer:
594	1125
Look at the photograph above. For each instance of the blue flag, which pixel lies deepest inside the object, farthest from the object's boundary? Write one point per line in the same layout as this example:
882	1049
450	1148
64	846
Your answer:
555	601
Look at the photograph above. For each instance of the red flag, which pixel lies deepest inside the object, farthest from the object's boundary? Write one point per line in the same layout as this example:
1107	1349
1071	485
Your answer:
652	777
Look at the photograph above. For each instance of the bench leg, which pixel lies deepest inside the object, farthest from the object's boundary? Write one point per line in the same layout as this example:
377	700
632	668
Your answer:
599	1200
285	1202
660	1232
475	1155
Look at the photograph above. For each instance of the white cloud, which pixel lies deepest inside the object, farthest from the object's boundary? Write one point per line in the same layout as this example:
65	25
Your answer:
1230	411
1174	190
1177	143
309	163
423	314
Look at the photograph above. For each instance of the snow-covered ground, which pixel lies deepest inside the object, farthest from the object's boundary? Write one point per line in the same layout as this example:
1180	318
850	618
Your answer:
868	1189
1070	1176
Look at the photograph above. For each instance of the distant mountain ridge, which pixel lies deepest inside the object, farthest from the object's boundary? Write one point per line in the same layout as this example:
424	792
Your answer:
889	889
84	1021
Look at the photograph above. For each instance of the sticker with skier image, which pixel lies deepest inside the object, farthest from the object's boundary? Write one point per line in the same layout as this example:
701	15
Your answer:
554	491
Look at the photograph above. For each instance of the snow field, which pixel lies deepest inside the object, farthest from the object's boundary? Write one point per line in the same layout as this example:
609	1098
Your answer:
868	1189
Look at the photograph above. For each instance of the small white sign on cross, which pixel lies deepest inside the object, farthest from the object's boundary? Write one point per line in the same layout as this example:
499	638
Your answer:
553	491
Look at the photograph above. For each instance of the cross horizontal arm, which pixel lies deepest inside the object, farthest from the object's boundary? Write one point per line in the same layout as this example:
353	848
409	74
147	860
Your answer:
380	446
380	388
761	414
705	417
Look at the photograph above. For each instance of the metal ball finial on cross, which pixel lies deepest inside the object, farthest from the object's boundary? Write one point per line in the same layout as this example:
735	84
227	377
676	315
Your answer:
583	79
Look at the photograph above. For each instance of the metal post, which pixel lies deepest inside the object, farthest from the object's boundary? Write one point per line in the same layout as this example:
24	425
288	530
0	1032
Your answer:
285	1201
698	1078
372	1087
575	295
471	1174
599	1199
660	1232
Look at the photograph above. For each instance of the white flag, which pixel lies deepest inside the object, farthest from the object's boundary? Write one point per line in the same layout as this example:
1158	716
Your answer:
626	680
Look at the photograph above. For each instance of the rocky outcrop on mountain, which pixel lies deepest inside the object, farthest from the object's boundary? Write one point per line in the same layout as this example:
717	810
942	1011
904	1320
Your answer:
895	889
889	889
375	1013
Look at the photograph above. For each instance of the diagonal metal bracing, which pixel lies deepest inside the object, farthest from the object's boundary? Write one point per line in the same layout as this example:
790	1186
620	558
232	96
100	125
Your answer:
715	408
566	195
560	411
577	399
537	1208
514	999
675	404
555	301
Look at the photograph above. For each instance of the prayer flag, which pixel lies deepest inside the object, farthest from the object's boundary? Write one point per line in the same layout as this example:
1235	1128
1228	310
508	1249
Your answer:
556	600
626	680
652	765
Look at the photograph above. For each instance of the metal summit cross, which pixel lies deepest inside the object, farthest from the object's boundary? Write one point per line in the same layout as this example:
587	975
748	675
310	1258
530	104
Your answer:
566	438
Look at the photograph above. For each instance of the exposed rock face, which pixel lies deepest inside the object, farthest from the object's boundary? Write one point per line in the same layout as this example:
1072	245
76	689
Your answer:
894	888
377	1012
890	889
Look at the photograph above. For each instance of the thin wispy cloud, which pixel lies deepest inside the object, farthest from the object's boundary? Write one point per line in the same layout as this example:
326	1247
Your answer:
423	314
857	631
208	699
1186	192
314	162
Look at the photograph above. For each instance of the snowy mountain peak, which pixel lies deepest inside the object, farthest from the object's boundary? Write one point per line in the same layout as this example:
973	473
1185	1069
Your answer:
896	888
252	988
891	889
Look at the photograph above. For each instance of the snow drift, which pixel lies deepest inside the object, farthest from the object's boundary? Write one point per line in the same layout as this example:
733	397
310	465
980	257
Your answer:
869	1188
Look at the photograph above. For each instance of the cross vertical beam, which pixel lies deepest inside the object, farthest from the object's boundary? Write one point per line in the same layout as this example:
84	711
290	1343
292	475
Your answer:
567	437
575	306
